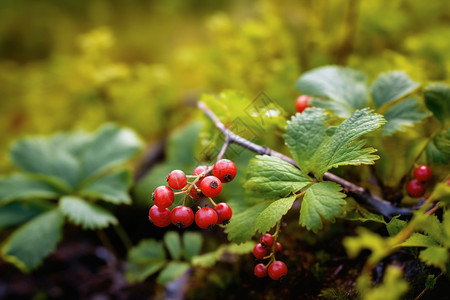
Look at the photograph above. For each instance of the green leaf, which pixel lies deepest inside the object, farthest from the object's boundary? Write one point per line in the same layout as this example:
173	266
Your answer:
111	188
403	114
274	178
273	213
145	259
431	226
419	240
335	107
391	86
172	271
352	211
15	213
437	99
395	226
19	186
85	214
442	143
435	256
344	85
173	244
392	287
242	226
367	239
435	155
31	243
209	259
192	244
322	200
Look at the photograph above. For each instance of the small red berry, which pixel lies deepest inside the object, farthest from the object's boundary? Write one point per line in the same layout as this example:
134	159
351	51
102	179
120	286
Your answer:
163	196
302	103
196	193
225	170
259	251
277	270
205	217
415	188
159	216
266	240
182	216
278	247
224	213
211	186
177	179
199	170
260	271
422	173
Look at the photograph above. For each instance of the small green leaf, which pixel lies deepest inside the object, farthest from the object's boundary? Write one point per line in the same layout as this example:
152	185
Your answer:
392	287
273	213
395	226
435	256
403	114
172	271
431	226
242	226
173	244
322	200
209	259
32	242
391	86
85	214
145	259
112	188
437	99
419	240
15	213
19	186
192	244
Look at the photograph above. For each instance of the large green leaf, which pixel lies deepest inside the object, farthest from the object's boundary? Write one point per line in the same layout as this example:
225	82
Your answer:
322	200
242	226
437	99
192	244
112	188
31	243
147	258
173	244
19	186
273	213
85	214
15	213
172	271
391	86
403	114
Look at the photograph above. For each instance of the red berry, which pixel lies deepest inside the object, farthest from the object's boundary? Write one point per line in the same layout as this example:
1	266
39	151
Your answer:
302	103
163	196
259	251
225	170
205	217
196	193
199	170
159	216
224	213
278	247
266	240
177	179
211	186
182	216
277	269
422	173
415	188
260	271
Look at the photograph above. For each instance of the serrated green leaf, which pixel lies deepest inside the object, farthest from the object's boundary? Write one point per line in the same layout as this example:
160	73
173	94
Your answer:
392	287
172	271
403	114
32	242
437	100
434	155
391	86
209	259
273	213
85	214
19	186
431	226
173	244
242	226
367	239
442	143
395	226
419	240
441	192
334	106
111	188
15	213
192	244
145	259
352	211
274	178
435	256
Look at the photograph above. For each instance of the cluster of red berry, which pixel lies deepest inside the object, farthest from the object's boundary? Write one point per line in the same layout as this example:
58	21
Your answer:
417	186
275	268
182	216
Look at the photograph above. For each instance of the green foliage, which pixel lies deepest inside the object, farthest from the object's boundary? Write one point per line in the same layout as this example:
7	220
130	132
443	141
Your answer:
392	287
391	86
210	259
15	213
173	244
273	213
437	99
367	239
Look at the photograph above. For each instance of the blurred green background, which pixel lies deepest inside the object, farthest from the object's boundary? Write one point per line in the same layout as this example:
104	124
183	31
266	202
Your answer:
75	64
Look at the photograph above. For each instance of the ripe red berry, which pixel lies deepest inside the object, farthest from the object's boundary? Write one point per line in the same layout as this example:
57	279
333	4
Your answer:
278	247
177	179
302	103
266	240
159	216
205	217
199	170
422	173
211	186
224	213
196	193
415	188
277	270
225	170
259	251
163	196
260	271
182	216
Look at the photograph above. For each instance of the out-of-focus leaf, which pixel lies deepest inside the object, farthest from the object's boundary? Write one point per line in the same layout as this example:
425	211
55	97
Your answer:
391	86
367	239
111	188
437	99
403	114
435	155
352	211
145	259
442	142
210	259
172	271
19	186
173	244
435	256
419	240
15	213
273	213
395	225
192	244
392	287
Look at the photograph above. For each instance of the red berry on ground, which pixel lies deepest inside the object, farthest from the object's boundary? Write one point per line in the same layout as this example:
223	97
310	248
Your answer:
302	103
159	216
196	193
224	213
422	173
266	240
163	196
277	270
259	251
182	216
205	217
260	271
225	170
415	188
278	247
177	179
199	170
211	186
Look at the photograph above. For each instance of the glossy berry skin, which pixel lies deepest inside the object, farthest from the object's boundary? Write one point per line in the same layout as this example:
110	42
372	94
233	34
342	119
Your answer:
415	188
163	196
266	240
278	247
182	216
259	251
260	271
205	217
199	170
224	213
195	193
177	179
211	186
225	170
422	173
302	103
159	216
277	269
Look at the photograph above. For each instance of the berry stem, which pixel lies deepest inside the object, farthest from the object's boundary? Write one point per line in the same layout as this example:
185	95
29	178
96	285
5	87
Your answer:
212	201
